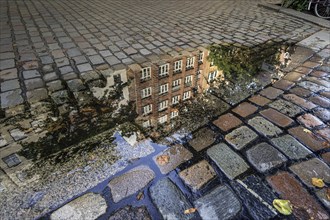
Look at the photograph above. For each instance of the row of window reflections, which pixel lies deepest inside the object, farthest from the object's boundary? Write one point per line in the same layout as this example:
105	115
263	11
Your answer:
177	67
161	120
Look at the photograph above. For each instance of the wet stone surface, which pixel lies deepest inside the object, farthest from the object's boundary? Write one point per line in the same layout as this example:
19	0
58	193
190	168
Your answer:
227	160
165	196
197	175
286	107
220	203
289	188
177	154
227	122
312	168
276	117
264	157
202	139
130	182
245	109
88	206
264	127
291	147
310	121
131	213
240	137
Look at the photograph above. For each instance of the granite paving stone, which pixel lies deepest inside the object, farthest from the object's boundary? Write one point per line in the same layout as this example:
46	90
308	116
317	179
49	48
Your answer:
241	137
311	86
322	114
264	157
8	74
283	84
17	134
170	201
88	206
309	121
293	76
36	95
34	83
227	122
7	64
177	154
308	138
257	207
276	117
9	85
264	127
299	101
245	109
131	213
326	157
130	182
29	74
309	169
320	101
54	86
299	91
325	133
220	203
325	94
227	160
288	187
75	85
285	107
50	76
84	67
198	175
259	100
11	98
322	195
202	139
60	97
271	92
291	147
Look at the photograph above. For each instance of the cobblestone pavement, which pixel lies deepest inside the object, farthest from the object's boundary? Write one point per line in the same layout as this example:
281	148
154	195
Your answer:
268	146
48	46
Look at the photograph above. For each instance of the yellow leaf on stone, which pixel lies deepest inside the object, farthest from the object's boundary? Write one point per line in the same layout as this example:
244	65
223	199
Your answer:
307	131
163	159
189	211
318	182
283	206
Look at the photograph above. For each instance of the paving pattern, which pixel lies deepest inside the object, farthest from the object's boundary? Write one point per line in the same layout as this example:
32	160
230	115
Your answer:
268	146
52	48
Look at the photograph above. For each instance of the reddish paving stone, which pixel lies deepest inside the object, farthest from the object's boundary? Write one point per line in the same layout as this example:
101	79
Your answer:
305	206
303	70
310	64
244	109
322	113
277	117
202	139
299	91
198	175
319	81
294	76
309	139
283	84
326	157
271	92
227	122
318	74
310	121
326	94
299	101
312	168
259	100
323	102
325	133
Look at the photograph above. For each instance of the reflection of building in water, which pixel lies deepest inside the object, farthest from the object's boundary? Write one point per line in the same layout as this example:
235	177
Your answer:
158	87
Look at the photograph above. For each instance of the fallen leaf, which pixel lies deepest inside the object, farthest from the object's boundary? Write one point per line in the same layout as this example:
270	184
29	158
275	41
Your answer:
283	206
163	159
189	211
307	131
318	182
139	196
